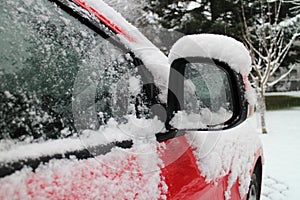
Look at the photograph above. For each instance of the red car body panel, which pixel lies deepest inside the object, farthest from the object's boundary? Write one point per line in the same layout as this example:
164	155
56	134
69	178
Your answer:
184	179
84	179
182	175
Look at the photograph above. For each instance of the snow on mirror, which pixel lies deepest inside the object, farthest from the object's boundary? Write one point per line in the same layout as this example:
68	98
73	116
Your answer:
207	98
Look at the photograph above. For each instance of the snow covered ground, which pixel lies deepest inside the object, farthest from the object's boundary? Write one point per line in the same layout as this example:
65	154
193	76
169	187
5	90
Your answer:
282	159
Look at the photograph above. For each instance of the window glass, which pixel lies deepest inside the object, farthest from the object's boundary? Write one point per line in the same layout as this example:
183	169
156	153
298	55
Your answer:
57	76
207	97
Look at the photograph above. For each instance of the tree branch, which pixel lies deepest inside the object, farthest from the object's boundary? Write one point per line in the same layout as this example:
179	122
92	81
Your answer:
281	77
277	12
284	52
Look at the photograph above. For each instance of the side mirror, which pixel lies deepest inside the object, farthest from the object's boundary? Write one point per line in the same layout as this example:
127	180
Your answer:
206	87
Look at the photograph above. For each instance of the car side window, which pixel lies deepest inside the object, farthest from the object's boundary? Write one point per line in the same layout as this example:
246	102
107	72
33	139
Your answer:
58	77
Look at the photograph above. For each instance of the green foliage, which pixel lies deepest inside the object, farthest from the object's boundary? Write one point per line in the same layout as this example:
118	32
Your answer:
209	16
190	17
281	102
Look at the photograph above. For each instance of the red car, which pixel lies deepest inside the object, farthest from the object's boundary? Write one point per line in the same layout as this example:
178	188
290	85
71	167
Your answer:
91	109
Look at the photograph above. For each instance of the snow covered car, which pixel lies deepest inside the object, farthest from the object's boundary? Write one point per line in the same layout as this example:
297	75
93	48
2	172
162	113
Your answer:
91	109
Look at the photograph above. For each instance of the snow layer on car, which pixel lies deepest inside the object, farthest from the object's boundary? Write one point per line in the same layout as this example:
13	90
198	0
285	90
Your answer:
219	47
227	152
184	120
134	129
110	176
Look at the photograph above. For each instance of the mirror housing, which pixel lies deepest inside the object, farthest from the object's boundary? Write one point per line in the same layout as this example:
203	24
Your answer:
207	96
220	98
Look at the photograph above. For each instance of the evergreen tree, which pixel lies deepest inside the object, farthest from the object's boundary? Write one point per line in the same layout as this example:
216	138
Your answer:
190	17
208	16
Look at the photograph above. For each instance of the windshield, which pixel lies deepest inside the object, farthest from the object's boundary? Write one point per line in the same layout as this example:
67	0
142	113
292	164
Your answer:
58	77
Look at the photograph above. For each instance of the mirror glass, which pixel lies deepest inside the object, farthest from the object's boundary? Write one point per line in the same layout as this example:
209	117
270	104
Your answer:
207	98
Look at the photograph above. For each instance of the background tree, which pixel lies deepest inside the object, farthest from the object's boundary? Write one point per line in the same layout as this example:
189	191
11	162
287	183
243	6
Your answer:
190	17
296	5
269	44
179	17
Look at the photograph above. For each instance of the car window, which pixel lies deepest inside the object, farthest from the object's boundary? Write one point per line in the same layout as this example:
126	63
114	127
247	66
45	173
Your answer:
57	76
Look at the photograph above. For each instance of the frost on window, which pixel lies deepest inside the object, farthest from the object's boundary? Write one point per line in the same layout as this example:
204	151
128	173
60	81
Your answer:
207	97
41	49
57	76
106	87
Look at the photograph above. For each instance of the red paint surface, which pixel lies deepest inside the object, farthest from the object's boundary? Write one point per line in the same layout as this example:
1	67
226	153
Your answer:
182	174
234	190
85	179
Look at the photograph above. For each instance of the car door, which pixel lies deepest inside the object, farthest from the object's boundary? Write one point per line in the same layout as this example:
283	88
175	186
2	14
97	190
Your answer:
71	104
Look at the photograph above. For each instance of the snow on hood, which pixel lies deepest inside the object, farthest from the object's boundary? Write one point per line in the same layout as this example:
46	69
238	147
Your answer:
154	60
219	47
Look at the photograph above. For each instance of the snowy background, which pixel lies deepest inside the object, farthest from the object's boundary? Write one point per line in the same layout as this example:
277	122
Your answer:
281	151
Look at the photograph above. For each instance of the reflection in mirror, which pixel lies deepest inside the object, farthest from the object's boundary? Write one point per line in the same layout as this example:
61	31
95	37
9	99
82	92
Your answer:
208	100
